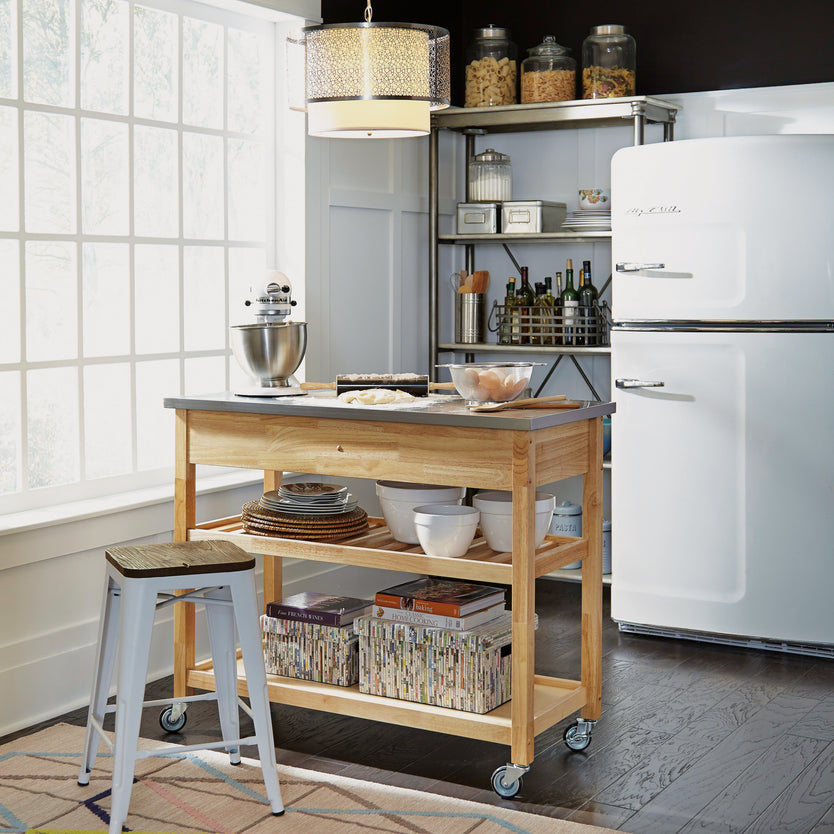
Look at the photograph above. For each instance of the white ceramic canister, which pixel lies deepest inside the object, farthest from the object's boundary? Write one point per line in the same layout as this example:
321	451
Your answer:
606	546
567	521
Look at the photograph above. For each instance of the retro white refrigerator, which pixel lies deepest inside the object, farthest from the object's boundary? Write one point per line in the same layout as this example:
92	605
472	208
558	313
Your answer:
723	376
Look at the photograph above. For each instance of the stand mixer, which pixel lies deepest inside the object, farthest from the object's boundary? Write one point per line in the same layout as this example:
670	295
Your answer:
271	349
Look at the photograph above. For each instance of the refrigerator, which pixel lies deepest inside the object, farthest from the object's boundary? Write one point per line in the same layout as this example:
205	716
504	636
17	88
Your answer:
722	483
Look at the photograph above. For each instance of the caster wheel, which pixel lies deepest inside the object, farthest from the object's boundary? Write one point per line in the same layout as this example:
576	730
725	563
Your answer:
574	741
169	723
502	786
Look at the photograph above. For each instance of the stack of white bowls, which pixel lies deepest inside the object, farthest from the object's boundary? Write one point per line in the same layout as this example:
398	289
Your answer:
398	500
496	509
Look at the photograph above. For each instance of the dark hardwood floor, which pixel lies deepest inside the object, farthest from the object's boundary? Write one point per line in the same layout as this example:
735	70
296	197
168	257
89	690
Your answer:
693	737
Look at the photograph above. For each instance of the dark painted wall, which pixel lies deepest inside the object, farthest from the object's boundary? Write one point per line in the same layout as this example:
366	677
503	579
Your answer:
682	46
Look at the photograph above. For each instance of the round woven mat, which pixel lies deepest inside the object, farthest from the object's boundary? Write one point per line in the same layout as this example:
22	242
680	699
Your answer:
260	521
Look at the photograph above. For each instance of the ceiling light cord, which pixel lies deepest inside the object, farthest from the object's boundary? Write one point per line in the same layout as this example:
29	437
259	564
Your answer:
369	12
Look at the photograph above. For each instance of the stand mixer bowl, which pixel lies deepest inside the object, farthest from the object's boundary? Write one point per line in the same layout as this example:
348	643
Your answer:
269	352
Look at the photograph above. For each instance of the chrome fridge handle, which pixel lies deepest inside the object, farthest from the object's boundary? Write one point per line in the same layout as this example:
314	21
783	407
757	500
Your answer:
632	267
637	383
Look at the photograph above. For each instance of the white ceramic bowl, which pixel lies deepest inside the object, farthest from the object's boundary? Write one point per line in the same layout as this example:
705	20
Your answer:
445	529
398	500
497	517
595	199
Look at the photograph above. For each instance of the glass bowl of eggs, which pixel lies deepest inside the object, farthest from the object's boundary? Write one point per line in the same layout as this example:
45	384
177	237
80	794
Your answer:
481	383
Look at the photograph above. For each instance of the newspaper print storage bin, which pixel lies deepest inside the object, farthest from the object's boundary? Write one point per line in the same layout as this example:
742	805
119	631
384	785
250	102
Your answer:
309	651
465	670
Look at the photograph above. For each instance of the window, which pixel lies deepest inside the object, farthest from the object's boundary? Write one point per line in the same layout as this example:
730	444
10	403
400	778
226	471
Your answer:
137	160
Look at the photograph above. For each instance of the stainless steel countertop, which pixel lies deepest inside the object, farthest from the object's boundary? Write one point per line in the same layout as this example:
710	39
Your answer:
435	410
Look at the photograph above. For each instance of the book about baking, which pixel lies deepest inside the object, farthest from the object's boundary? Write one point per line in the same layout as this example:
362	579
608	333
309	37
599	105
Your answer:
437	595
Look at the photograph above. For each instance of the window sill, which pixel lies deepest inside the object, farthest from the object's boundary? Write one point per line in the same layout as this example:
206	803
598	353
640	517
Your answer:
142	515
109	505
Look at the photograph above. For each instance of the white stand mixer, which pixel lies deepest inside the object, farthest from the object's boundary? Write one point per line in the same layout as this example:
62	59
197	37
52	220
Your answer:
271	349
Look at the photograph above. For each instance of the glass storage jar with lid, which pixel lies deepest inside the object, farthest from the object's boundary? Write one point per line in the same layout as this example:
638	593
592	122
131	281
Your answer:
491	68
548	73
490	177
609	63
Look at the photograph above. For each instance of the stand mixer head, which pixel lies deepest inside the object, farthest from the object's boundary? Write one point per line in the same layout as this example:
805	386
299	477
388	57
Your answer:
271	349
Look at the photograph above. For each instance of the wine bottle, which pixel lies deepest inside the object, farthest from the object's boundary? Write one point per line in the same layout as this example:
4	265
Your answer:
588	301
526	300
537	316
557	313
547	303
570	305
505	329
579	331
511	311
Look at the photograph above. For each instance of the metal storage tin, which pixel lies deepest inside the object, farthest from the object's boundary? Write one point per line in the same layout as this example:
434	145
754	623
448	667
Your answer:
477	218
532	216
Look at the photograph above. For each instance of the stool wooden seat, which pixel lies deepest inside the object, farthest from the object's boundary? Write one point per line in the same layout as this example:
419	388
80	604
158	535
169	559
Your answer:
139	580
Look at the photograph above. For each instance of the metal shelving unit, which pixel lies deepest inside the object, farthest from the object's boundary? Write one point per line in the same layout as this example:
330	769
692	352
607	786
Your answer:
639	111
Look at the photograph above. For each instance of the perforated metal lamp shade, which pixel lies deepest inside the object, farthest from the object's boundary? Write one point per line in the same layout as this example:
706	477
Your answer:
375	80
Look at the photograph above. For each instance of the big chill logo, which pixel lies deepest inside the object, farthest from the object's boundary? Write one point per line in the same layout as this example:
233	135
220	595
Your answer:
652	210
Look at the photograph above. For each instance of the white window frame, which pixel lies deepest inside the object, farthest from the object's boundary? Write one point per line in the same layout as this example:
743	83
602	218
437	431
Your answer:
79	500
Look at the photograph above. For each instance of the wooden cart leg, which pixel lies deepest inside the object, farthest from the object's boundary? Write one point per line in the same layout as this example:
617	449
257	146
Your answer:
524	599
592	574
272	565
185	515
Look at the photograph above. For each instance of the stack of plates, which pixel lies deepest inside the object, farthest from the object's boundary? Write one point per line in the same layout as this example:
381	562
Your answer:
588	220
320	528
309	499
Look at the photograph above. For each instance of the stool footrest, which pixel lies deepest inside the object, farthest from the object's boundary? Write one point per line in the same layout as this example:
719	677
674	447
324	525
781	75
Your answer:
190	748
187	699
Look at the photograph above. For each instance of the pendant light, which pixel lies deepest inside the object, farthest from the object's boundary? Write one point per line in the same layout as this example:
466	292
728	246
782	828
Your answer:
374	80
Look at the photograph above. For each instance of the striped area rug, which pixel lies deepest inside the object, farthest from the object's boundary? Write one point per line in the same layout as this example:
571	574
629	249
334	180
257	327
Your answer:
201	792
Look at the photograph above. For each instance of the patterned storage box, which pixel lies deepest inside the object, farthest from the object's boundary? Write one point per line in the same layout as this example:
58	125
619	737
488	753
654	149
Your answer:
465	670
310	651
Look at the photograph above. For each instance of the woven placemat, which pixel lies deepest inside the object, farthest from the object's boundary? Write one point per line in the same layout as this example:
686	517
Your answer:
254	511
262	522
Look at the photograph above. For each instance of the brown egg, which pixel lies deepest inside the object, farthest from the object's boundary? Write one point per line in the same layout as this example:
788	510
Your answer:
493	381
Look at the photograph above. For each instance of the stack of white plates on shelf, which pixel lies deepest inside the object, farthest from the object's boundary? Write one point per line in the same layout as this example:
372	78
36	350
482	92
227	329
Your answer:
588	220
309	499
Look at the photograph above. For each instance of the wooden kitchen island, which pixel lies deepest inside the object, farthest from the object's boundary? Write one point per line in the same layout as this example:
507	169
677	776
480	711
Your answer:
440	442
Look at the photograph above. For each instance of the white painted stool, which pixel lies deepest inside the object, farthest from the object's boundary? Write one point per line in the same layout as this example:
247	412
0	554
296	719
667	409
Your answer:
139	580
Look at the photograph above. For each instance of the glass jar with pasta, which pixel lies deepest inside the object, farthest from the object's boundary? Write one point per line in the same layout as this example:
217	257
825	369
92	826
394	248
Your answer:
491	68
548	73
609	63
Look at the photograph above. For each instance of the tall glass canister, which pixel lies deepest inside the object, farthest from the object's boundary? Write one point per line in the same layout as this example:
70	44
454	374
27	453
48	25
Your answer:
491	68
609	63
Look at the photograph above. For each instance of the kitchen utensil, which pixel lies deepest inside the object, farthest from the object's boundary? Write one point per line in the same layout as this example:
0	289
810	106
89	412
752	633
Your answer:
490	382
445	530
496	508
417	385
556	401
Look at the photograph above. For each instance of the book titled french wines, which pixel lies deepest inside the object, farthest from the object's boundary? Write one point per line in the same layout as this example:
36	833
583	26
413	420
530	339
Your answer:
436	595
323	609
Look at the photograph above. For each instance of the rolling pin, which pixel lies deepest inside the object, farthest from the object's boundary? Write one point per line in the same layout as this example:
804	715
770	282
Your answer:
417	385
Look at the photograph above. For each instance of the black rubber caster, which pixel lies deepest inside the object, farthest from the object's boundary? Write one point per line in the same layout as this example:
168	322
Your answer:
169	723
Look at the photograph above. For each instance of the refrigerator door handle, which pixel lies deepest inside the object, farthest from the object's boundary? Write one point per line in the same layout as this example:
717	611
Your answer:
637	383
627	266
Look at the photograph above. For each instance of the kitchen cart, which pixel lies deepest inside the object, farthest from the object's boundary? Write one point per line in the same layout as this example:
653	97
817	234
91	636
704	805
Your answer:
436	441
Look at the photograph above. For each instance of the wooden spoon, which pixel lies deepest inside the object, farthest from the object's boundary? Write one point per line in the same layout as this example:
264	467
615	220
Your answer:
556	401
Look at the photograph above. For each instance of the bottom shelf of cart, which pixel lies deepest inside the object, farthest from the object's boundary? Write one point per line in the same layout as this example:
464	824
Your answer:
554	699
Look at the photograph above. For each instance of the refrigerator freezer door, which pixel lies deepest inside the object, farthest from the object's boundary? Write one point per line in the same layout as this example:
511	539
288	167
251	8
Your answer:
726	228
723	483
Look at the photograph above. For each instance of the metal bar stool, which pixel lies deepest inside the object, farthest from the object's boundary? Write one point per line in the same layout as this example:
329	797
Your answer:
139	581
